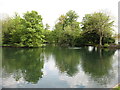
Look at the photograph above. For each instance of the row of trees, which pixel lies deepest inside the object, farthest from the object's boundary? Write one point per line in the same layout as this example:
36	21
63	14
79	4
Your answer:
28	31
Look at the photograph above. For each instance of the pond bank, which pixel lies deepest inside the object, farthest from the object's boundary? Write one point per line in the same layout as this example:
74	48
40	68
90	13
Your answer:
112	46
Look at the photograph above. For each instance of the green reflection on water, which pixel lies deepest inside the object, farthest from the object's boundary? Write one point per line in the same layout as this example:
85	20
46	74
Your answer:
25	61
66	59
29	63
98	63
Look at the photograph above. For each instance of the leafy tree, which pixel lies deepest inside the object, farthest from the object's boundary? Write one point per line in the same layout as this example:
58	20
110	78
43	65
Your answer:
61	23
32	36
7	24
24	32
67	29
98	22
16	30
68	21
48	36
71	17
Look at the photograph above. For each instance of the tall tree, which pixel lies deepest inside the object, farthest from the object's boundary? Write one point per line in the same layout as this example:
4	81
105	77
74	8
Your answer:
67	28
16	30
24	32
60	25
98	22
33	36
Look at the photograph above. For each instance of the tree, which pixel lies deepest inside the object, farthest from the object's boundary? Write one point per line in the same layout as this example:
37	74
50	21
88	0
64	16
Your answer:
62	22
7	24
16	30
67	29
98	22
71	17
48	35
24	32
33	36
68	20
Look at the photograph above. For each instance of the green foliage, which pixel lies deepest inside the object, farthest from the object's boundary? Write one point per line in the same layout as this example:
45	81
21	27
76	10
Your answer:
16	30
98	22
80	40
47	27
67	29
96	29
48	37
24	32
106	45
7	25
108	40
28	31
90	38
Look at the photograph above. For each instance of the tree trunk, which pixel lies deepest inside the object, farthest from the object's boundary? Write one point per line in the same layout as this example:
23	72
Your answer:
101	37
100	41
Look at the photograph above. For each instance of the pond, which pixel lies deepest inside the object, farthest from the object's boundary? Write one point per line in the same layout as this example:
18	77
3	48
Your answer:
56	67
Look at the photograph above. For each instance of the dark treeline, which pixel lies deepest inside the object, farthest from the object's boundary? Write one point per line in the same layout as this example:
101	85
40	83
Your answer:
29	31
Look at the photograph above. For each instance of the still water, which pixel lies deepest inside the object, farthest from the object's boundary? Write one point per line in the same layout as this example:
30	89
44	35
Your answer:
55	67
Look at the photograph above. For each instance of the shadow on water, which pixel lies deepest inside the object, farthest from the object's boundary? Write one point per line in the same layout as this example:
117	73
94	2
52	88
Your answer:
25	63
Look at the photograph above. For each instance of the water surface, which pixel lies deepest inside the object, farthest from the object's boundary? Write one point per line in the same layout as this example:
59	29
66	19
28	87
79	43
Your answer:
55	67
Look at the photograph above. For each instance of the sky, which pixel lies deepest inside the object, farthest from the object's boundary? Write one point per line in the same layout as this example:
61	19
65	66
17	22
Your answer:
52	9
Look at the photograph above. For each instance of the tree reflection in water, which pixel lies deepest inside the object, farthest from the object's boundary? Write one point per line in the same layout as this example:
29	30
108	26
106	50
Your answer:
67	60
98	63
26	63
